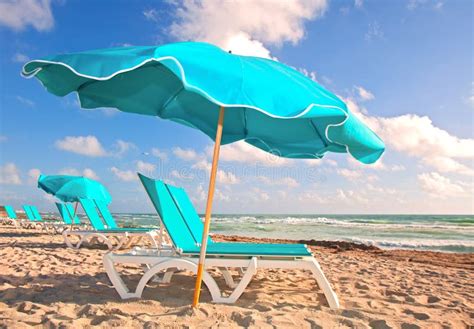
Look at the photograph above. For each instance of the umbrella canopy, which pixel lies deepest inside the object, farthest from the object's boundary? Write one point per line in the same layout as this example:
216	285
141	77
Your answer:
268	104
72	188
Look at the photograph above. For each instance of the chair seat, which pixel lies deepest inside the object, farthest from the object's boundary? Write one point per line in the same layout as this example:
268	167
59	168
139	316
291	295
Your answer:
129	229
253	249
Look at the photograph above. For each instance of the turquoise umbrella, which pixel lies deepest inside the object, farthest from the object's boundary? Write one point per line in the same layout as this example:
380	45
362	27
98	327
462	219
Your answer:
267	103
72	188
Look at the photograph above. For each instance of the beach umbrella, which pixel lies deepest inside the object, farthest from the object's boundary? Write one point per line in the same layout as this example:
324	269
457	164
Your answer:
72	188
266	103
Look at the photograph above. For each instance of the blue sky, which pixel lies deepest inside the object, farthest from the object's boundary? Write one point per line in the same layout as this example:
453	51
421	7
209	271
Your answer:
405	67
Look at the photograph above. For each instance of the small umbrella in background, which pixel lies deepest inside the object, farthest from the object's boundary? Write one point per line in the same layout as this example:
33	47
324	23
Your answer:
72	188
266	103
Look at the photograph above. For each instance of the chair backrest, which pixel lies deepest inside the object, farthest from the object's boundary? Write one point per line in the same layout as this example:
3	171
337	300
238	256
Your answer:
106	215
72	213
29	213
171	217
64	213
189	214
35	213
91	213
10	212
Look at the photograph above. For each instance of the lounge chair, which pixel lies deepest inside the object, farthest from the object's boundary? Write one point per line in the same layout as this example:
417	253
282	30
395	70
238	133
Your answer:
113	236
34	220
184	228
31	221
67	214
11	218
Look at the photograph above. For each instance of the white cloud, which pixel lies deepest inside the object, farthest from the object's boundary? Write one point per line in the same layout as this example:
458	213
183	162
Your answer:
10	174
25	101
19	14
418	137
252	23
379	165
163	156
364	94
84	145
3	138
374	32
201	195
245	153
124	175
20	58
33	175
151	15
123	147
310	74
181	174
350	174
222	176
439	186
87	172
185	154
145	167
358	3
285	181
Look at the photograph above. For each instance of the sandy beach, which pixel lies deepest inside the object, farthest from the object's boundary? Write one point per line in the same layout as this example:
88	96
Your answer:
43	284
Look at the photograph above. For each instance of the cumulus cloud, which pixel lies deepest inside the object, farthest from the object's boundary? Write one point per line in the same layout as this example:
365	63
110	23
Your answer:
33	175
285	181
145	167
182	174
252	25
439	186
84	145
10	174
418	137
185	154
122	147
246	153
19	14
364	94
87	172
162	155
124	175
222	176
91	146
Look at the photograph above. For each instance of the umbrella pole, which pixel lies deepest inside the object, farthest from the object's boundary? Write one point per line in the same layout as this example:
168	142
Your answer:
74	216
210	196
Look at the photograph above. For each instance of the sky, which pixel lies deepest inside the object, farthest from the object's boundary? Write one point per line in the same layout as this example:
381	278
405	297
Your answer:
404	67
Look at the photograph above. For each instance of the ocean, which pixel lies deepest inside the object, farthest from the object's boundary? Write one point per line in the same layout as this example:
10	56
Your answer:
449	233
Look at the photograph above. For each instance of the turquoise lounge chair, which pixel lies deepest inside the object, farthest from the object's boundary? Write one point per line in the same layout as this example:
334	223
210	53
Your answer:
106	230
66	211
34	220
184	228
11	218
31	220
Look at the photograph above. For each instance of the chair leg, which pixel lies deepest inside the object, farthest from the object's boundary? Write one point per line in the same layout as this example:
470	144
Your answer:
323	283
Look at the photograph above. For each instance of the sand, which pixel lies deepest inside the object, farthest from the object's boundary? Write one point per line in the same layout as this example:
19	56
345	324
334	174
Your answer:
44	284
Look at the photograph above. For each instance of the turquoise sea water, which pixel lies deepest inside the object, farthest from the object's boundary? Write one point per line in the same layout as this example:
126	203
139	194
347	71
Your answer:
451	233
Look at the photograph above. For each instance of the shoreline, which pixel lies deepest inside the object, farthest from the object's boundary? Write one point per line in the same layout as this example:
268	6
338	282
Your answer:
45	285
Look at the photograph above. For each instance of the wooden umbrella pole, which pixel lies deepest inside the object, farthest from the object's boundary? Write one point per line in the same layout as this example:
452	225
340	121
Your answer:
74	216
210	196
